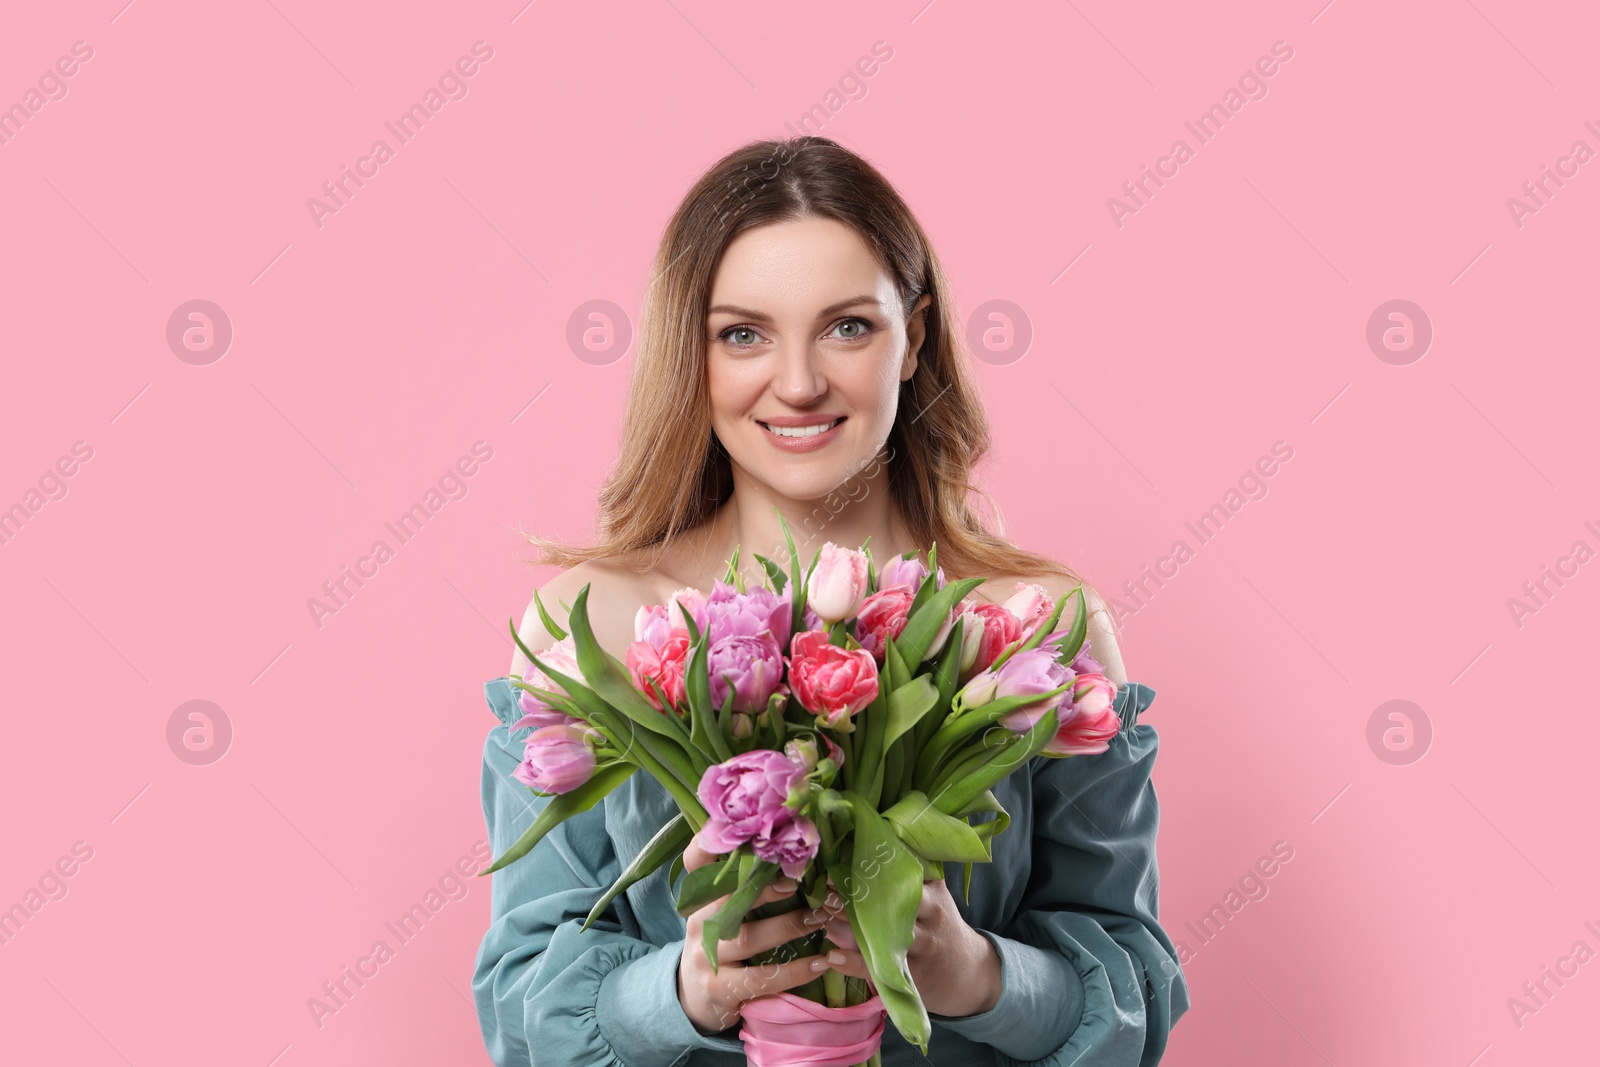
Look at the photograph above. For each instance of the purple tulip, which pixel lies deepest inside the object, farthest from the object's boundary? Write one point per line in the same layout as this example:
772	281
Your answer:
730	613
651	624
789	839
754	667
557	759
903	572
1025	673
744	796
1083	663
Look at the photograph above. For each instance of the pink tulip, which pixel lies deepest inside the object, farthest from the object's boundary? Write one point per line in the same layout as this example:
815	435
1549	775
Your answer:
558	759
563	657
1089	721
663	664
882	616
837	583
744	796
1031	604
830	682
692	599
1000	629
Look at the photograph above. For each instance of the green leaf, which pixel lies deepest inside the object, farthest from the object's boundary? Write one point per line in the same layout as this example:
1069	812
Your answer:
754	876
775	722
988	829
882	890
725	718
676	769
907	705
932	834
960	790
560	807
775	573
1073	642
544	616
946	676
986	801
518	639
922	626
668	841
732	575
797	598
706	883
560	701
608	677
676	868
869	750
943	746
704	733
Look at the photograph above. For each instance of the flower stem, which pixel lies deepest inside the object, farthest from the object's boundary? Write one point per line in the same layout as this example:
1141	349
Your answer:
833	982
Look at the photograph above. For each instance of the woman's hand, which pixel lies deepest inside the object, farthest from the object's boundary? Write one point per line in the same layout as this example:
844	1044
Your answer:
712	1001
955	968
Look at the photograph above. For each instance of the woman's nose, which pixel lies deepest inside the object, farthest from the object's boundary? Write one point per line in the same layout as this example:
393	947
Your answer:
798	379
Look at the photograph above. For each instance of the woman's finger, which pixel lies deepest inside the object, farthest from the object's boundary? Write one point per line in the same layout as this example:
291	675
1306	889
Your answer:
761	935
746	983
840	934
695	856
848	961
782	889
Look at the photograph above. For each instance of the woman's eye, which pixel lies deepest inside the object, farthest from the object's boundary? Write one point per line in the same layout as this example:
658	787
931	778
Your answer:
735	335
861	328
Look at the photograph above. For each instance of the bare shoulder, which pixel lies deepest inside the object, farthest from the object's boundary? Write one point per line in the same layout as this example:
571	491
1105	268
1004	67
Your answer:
1102	637
615	594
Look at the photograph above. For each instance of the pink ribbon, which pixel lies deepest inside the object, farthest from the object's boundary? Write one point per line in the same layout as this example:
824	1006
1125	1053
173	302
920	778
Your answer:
786	1030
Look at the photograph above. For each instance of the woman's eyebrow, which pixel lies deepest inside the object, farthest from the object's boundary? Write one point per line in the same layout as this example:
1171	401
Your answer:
761	316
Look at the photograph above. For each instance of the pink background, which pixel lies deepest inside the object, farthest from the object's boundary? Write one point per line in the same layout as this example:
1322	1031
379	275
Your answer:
431	312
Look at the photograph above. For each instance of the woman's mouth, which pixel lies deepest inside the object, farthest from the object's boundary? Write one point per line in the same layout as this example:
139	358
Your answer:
802	431
802	438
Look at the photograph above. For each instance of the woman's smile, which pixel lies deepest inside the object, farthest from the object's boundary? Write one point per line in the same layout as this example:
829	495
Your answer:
792	435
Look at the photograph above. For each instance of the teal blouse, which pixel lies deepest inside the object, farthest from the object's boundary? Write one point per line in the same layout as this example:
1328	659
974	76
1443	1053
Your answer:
1069	901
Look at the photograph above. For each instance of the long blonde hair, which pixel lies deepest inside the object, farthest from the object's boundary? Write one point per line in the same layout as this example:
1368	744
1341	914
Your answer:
671	472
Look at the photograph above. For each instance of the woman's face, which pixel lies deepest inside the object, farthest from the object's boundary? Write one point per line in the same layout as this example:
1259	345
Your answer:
805	328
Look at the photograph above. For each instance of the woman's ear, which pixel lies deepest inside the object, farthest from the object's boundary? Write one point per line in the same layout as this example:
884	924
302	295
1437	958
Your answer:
916	332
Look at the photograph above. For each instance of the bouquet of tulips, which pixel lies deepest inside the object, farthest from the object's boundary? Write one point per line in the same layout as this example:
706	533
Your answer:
839	726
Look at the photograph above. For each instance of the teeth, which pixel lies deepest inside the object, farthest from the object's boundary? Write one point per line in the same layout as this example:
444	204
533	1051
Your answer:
801	431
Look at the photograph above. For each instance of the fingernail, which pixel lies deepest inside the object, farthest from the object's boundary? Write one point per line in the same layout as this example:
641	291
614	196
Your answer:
836	957
834	901
819	964
816	918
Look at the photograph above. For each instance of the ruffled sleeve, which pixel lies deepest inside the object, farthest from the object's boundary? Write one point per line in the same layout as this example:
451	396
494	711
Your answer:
548	991
1088	973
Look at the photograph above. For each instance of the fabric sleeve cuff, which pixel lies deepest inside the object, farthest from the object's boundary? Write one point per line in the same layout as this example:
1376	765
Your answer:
641	1017
1040	1005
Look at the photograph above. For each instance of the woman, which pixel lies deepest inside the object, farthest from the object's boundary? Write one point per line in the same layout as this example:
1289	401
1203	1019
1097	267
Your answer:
798	350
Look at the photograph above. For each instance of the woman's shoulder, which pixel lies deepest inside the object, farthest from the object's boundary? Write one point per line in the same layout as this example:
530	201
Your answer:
616	592
1103	643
